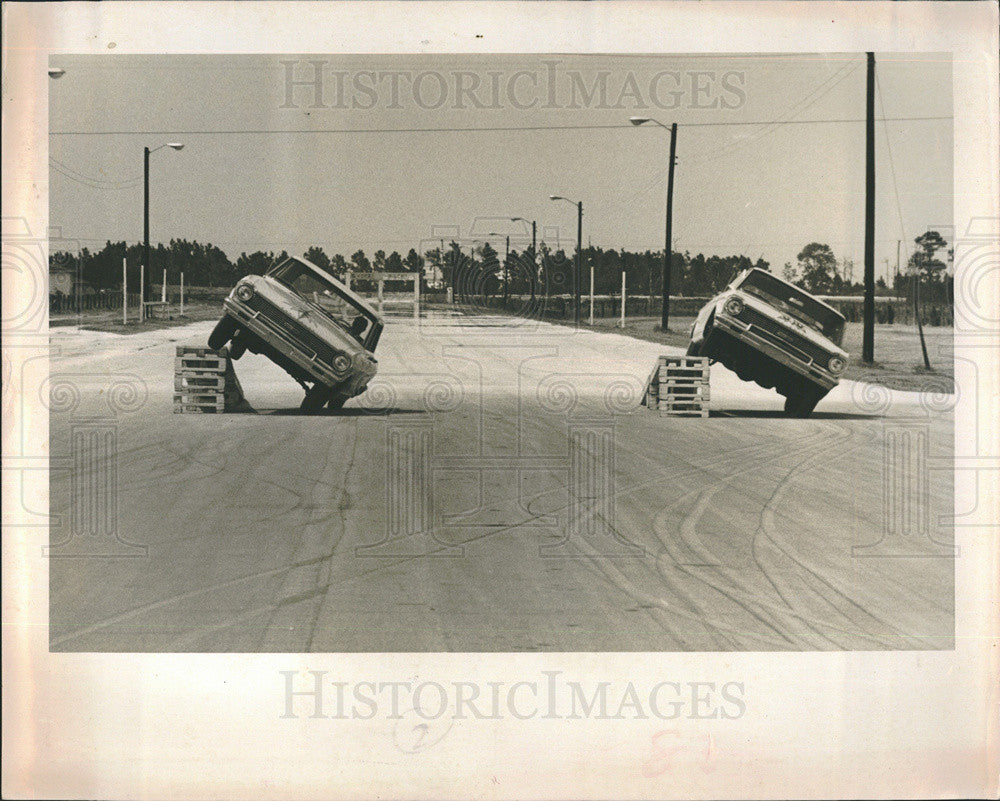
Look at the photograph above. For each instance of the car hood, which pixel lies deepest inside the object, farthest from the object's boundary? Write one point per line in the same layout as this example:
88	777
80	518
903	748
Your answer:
785	319
312	319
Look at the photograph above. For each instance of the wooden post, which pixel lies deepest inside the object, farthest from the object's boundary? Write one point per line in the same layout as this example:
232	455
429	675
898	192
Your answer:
163	289
381	283
868	327
182	294
623	299
416	296
591	290
142	292
124	291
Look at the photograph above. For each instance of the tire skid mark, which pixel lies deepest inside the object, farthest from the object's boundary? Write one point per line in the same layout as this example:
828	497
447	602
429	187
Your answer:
715	629
766	532
306	581
736	587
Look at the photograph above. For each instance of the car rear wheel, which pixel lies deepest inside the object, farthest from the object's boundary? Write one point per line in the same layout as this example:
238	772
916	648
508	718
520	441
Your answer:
222	333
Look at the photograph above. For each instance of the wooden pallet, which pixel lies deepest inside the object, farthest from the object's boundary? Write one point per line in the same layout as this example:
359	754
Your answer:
198	364
679	386
197	408
205	382
199	381
191	350
684	410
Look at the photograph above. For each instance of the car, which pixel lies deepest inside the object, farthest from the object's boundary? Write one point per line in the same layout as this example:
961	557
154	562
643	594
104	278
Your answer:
770	331
309	324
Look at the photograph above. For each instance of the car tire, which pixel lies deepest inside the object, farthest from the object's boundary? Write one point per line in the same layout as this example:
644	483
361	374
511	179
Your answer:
336	402
315	398
222	333
694	349
238	346
801	405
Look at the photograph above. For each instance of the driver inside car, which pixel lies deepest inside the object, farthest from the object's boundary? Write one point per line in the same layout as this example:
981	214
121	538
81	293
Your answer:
358	326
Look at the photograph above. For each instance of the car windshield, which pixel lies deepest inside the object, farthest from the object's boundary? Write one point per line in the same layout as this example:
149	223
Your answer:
797	303
331	299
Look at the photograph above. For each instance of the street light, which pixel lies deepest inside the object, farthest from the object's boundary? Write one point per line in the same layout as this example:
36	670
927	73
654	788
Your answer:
505	260
534	248
579	255
56	72
667	254
148	282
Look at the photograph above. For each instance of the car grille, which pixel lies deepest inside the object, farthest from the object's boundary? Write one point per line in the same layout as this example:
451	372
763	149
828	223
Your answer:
784	338
305	339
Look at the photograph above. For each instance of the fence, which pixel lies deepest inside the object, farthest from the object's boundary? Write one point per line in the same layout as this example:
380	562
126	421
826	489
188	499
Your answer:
60	303
888	311
92	301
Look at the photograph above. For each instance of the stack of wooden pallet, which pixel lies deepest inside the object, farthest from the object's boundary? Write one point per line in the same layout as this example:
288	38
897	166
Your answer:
200	380
678	385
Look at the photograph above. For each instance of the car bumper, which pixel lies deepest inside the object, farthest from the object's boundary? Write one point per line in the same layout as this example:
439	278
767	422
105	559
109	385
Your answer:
742	332
352	382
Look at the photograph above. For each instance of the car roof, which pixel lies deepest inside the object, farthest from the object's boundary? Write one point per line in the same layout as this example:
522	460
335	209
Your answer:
343	287
796	287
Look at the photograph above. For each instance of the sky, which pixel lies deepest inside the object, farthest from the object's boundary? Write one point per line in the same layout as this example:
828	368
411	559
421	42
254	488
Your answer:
392	152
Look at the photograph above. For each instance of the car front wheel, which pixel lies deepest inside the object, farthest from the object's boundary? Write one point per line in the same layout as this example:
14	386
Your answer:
315	398
801	405
336	401
222	333
238	346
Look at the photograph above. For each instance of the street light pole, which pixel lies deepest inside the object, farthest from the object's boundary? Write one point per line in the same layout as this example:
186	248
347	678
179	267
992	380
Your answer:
668	246
506	259
148	281
147	287
667	249
505	262
579	255
534	252
579	262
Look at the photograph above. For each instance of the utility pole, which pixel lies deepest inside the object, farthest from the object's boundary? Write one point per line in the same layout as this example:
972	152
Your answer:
591	282
623	300
506	259
896	280
667	253
868	339
146	290
579	263
534	262
916	314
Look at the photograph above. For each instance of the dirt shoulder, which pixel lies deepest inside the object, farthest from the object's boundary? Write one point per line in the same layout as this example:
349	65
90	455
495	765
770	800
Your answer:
898	358
111	321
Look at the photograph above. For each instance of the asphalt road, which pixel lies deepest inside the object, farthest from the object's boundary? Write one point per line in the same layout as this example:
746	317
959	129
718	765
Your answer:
499	488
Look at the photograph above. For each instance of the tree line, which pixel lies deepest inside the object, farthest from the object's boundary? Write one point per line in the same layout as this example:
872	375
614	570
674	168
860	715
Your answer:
481	270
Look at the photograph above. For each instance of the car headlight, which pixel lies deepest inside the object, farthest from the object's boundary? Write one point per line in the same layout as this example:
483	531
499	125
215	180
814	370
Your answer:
341	363
836	364
244	292
733	306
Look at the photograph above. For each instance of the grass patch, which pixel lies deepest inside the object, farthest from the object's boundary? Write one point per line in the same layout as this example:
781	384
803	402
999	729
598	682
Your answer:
898	357
110	322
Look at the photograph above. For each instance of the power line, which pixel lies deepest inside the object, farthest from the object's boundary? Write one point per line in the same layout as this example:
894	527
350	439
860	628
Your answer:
278	132
805	102
892	166
73	175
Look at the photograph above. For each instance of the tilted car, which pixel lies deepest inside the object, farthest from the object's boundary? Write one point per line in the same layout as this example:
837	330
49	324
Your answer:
769	331
309	324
